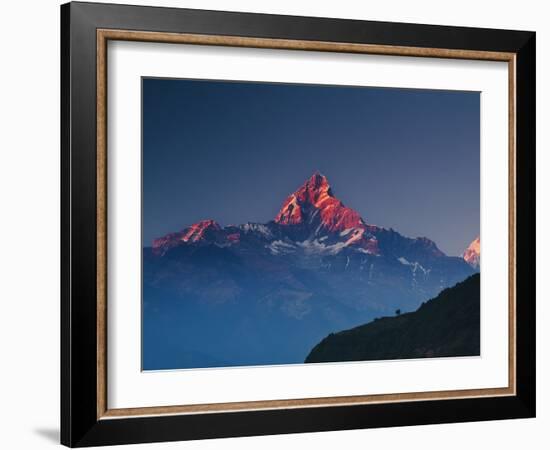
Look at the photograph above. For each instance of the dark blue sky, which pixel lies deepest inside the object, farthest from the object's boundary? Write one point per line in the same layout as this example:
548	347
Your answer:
233	151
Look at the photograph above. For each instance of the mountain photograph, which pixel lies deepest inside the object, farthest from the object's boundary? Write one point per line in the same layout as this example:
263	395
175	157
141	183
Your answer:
246	264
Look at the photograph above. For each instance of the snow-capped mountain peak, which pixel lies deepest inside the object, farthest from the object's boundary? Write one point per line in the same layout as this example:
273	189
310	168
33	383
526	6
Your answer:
315	202
194	233
472	254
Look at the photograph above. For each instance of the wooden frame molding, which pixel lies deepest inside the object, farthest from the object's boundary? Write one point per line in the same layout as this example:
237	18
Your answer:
103	36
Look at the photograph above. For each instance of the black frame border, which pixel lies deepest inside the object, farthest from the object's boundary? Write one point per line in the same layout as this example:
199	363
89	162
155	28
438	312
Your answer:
79	423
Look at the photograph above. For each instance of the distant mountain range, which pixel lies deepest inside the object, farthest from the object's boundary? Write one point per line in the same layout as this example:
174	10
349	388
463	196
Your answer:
267	293
447	325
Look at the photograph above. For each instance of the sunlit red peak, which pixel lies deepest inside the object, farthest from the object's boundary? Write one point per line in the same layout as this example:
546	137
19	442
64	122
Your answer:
314	190
317	182
315	197
472	253
203	229
196	231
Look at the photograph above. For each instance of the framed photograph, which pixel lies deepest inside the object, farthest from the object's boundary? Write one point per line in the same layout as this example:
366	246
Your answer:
276	224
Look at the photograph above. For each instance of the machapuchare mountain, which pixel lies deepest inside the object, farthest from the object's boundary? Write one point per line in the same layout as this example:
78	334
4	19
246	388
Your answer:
447	325
257	294
472	254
